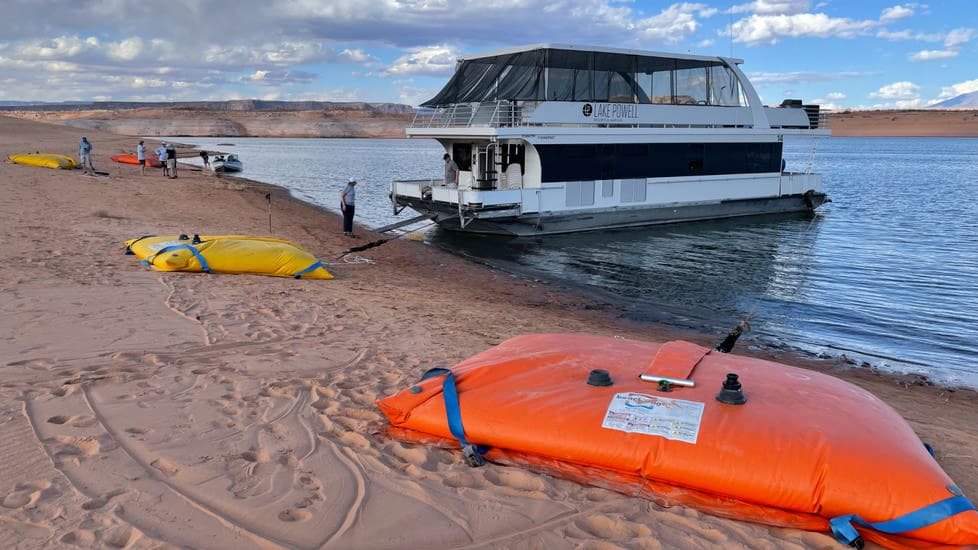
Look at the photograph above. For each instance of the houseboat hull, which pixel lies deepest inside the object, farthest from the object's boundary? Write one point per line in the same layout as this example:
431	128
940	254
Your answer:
496	222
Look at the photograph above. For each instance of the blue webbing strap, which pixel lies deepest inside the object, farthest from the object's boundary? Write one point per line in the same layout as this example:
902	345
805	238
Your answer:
928	515
473	454
308	269
196	253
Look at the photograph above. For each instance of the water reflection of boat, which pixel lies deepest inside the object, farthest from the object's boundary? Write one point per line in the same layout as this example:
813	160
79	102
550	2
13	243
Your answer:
555	139
700	274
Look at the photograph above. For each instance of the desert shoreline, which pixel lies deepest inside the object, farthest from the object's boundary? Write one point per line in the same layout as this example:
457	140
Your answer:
145	410
390	121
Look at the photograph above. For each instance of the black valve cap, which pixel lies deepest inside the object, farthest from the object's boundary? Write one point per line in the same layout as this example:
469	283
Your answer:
599	377
732	392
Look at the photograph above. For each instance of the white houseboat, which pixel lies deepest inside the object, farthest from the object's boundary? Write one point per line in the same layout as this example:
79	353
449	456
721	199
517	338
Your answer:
558	138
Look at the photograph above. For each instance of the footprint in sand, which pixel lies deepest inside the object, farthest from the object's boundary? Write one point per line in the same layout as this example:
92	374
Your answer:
25	494
76	446
411	455
102	500
164	466
293	514
81	537
63	391
609	528
260	457
121	536
515	479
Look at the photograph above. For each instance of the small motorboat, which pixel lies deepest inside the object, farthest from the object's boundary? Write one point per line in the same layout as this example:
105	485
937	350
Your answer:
226	163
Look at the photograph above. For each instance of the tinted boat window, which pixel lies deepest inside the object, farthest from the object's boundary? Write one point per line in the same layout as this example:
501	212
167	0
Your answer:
659	160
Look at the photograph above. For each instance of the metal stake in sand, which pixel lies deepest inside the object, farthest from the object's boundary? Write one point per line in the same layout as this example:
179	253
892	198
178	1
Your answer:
268	200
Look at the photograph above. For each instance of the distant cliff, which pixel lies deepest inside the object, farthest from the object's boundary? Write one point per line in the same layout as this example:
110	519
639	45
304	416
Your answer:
240	118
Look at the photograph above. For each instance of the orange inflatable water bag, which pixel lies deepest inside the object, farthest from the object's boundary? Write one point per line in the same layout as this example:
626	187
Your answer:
682	424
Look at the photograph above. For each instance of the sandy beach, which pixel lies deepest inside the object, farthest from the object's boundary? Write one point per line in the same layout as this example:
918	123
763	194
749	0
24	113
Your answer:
146	410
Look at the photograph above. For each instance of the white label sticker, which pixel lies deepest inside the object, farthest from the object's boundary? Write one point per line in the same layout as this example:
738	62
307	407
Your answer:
653	415
160	246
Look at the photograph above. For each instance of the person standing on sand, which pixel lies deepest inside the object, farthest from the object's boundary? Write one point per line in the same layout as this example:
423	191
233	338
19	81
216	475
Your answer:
171	160
451	171
205	158
161	154
85	156
141	157
348	199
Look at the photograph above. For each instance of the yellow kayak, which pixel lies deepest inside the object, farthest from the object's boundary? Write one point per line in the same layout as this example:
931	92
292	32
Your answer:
45	160
227	254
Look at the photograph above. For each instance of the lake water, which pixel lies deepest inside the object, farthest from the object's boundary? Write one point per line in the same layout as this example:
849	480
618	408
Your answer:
887	273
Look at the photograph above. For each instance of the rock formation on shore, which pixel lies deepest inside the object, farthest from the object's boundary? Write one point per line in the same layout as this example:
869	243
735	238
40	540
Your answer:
243	118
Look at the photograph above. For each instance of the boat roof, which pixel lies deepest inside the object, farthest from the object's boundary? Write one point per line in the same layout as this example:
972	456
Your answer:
599	49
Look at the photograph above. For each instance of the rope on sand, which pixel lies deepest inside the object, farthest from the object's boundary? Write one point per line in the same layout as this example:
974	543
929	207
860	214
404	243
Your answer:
371	244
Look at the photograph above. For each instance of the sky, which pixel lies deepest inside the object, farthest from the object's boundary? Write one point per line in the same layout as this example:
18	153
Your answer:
858	54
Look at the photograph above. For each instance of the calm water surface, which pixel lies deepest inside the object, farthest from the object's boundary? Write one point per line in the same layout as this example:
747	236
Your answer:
887	273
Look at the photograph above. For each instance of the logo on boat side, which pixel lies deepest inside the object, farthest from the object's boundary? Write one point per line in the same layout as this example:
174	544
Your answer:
611	112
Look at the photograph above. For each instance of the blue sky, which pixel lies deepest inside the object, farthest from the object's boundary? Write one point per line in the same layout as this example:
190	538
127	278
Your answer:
864	54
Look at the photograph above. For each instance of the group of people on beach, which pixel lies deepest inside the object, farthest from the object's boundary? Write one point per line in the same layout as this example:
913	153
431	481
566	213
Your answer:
167	154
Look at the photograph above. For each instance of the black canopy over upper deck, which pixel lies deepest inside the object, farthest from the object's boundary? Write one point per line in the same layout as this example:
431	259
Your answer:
555	73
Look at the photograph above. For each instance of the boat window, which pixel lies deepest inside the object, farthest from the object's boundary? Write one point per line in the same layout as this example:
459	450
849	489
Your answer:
633	190
614	78
568	75
579	193
625	161
691	88
724	88
694	157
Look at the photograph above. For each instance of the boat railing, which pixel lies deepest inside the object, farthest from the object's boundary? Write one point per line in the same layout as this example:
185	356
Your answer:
488	113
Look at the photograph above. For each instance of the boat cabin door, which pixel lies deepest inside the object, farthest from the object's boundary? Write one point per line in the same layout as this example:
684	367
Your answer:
487	167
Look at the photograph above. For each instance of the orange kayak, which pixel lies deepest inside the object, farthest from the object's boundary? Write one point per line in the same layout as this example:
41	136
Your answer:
788	447
131	159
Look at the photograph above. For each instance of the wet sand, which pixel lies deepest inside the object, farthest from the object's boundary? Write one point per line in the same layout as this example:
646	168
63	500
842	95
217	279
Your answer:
161	410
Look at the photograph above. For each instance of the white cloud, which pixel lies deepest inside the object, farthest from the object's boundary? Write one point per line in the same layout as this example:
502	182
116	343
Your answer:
958	37
412	95
762	29
62	46
125	50
140	82
931	55
672	25
955	90
432	60
773	7
895	12
799	77
907	34
904	91
830	101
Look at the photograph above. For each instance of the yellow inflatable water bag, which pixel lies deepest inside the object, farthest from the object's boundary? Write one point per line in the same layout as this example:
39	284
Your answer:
45	160
227	254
